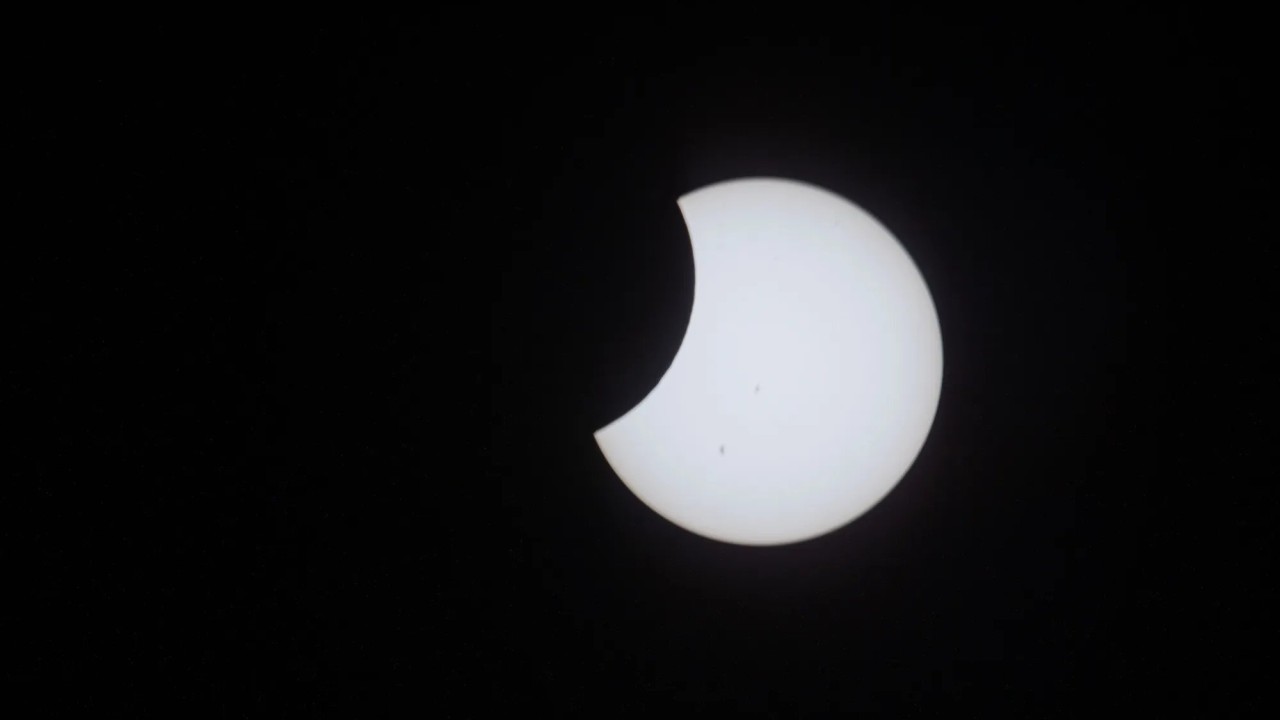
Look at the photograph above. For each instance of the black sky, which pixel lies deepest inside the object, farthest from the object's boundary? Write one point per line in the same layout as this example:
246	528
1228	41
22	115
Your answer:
276	461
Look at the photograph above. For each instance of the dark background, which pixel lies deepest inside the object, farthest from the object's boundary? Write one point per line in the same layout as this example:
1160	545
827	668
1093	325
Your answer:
269	458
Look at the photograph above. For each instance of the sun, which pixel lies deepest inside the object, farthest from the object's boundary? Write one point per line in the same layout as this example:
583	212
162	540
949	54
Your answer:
809	374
